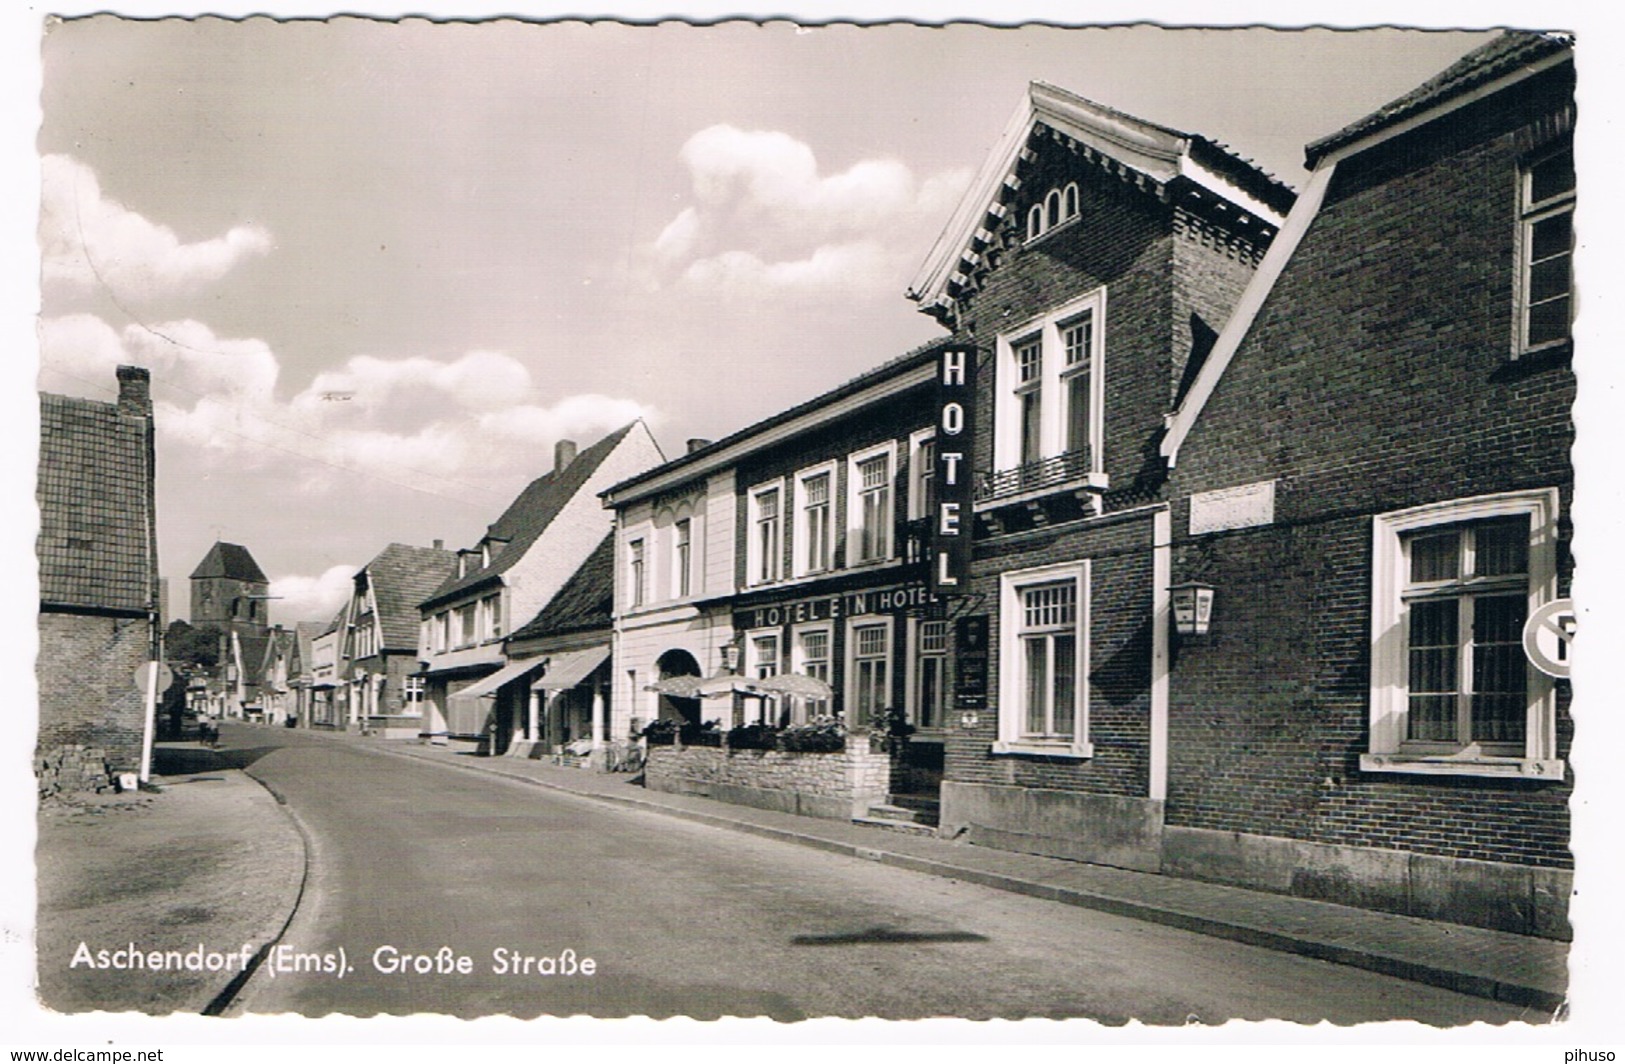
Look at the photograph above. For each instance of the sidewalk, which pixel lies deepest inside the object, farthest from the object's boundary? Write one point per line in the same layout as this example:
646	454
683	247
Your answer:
207	864
1491	964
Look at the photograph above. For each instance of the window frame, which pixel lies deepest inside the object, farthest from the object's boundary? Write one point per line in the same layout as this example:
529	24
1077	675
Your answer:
917	656
801	534
1012	711
804	708
1390	749
1049	330
849	707
682	557
854	507
1530	214
637	572
922	472
755	574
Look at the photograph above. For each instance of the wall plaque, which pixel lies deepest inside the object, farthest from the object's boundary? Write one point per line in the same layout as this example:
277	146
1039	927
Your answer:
1246	506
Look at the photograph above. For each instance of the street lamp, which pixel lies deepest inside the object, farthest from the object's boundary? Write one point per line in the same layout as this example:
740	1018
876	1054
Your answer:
1193	607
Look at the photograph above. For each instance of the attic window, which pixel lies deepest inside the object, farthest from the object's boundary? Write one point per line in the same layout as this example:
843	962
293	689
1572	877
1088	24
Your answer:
1058	205
78	543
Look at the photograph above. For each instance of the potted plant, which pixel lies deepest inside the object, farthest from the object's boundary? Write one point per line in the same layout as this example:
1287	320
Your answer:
820	735
889	731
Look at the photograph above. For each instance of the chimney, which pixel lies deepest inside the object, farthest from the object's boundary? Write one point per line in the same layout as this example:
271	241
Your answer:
134	391
439	544
564	452
695	443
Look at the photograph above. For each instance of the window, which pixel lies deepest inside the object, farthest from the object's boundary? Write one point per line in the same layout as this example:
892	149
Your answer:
442	632
1077	345
491	617
636	576
764	553
1057	206
869	535
1049	396
1043	659
922	466
1546	240
764	655
930	684
870	683
412	696
1451	689
682	552
812	659
467	625
814	545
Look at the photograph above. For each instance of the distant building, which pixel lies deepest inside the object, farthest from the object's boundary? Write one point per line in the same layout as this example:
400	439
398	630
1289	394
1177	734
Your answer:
378	642
98	566
230	591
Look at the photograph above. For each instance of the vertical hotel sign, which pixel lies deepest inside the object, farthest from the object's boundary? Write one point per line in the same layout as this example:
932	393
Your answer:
951	519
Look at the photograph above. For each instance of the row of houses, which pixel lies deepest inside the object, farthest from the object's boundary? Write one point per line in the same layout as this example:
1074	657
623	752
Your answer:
1205	541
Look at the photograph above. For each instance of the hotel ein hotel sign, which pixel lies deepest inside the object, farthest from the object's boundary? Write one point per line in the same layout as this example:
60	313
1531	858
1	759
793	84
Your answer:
951	509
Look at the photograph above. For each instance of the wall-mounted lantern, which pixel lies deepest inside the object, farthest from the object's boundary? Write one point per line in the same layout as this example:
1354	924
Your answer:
1193	607
730	657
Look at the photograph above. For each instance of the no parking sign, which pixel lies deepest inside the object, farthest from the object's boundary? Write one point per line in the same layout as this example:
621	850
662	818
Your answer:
1547	635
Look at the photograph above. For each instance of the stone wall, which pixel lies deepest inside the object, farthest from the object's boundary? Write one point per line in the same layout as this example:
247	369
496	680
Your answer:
836	786
91	713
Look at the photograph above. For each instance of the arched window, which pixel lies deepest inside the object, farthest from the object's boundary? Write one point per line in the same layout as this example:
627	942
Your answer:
1035	221
1070	204
1052	209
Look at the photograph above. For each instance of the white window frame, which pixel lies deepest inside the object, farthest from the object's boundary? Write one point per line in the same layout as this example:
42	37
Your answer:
1390	702
1051	385
753	657
916	655
1529	215
802	535
1012	663
637	572
755	576
854	506
920	473
798	662
682	561
414	691
850	702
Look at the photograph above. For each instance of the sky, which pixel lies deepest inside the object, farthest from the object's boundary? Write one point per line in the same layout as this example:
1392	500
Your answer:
379	268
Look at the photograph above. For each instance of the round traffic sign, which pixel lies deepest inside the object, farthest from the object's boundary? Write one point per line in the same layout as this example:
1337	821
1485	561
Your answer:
1547	638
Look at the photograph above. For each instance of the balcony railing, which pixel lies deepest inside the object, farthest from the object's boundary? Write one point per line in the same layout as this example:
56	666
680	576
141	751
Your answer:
1034	476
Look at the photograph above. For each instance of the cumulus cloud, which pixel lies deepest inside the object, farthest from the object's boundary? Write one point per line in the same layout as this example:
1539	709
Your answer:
474	421
766	217
88	240
309	598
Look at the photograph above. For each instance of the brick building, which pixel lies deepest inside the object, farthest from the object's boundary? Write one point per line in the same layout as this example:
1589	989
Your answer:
1373	472
1090	265
98	569
230	591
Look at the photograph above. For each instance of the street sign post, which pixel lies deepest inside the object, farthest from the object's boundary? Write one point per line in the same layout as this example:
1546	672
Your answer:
1547	636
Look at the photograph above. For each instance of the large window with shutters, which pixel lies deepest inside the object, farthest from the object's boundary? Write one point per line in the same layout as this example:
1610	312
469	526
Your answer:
1453	585
1043	661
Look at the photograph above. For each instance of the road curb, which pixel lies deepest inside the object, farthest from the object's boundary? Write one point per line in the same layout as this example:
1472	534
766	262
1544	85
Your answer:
1250	934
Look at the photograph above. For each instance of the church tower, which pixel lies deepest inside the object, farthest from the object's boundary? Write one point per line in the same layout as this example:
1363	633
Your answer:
229	591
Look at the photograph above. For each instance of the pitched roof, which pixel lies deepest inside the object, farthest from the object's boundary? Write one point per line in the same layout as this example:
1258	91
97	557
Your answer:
94	497
530	514
1501	56
401	576
253	663
1154	156
585	602
713	453
230	561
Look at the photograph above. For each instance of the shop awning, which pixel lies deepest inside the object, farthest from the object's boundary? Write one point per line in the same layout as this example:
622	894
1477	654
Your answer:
507	674
566	670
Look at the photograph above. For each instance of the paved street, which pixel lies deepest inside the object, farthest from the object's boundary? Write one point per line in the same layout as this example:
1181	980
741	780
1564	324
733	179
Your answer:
686	919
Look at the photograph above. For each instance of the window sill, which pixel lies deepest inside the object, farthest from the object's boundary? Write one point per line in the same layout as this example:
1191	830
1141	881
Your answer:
1482	765
1042	748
